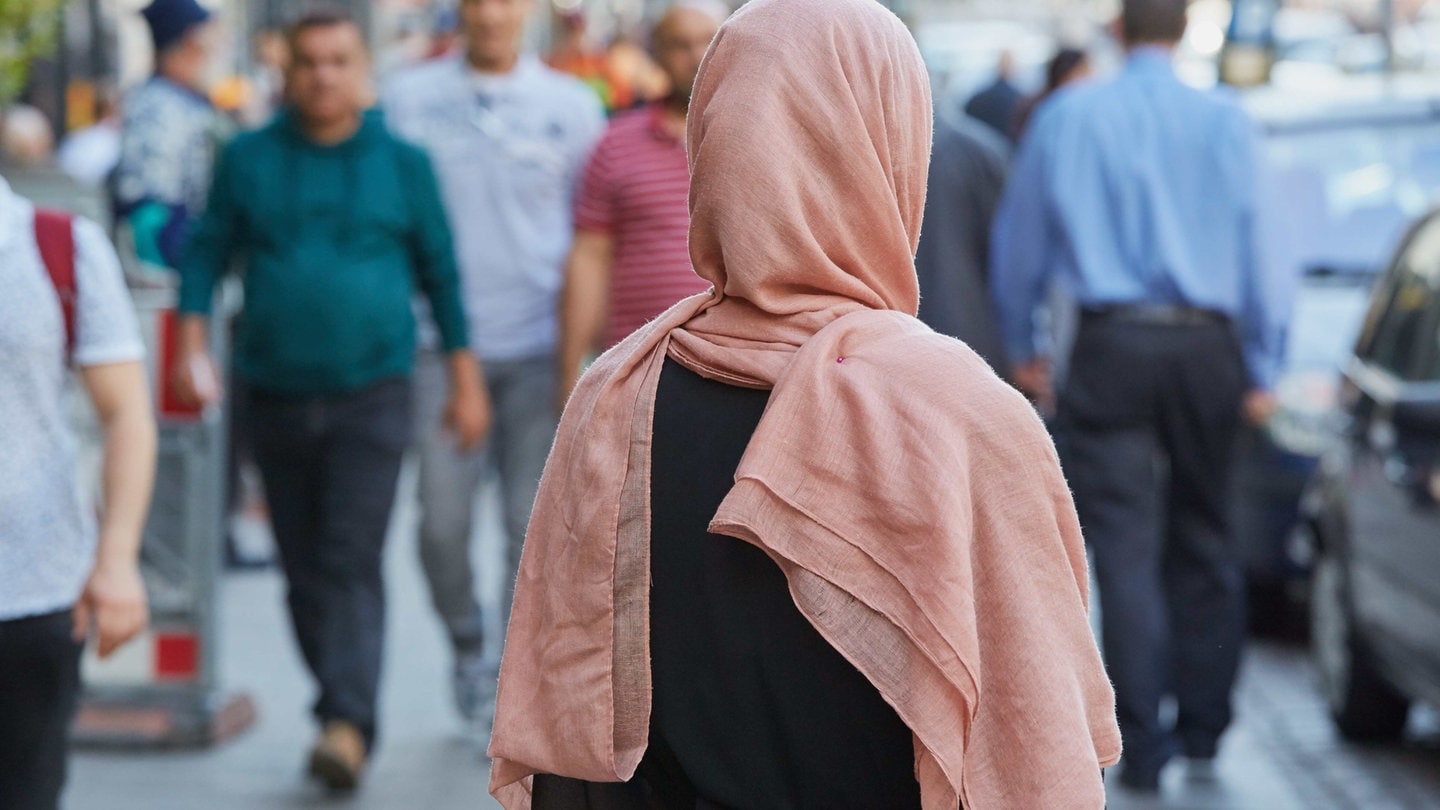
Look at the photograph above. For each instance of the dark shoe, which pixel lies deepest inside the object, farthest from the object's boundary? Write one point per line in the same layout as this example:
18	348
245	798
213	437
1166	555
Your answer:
338	759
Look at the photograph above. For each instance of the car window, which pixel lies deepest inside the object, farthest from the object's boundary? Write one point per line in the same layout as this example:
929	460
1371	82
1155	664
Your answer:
1342	197
1400	336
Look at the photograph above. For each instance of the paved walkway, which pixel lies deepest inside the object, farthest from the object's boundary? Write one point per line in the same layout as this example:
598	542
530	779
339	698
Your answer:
427	760
1282	755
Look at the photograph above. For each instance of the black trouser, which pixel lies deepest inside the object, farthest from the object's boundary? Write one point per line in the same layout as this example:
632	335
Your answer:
330	466
1148	421
39	687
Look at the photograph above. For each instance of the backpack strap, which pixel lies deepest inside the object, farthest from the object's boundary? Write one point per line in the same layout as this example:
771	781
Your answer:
55	236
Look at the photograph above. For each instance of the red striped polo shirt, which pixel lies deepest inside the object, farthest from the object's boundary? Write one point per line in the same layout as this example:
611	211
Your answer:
636	189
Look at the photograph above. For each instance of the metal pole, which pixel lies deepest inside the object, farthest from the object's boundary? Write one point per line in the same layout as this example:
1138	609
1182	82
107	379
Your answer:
62	77
1387	23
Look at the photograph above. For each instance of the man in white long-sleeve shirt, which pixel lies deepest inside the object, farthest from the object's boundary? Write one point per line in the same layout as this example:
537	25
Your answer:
509	137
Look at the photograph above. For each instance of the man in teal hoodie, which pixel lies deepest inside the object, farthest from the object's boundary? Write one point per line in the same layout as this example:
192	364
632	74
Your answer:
336	223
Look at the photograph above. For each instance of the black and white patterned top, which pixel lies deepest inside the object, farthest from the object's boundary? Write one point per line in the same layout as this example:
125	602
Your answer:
169	140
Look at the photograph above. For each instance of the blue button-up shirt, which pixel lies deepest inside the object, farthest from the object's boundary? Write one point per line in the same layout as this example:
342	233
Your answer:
1139	189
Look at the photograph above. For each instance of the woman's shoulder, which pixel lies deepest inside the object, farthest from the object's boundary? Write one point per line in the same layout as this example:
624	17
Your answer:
912	369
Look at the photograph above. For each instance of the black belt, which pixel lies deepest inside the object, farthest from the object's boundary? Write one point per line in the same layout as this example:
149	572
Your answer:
1154	315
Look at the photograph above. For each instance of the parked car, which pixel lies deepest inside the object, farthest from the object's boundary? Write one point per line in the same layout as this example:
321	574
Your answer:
1374	509
1349	165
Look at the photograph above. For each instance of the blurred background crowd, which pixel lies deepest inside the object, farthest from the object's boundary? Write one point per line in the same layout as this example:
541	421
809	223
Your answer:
1345	95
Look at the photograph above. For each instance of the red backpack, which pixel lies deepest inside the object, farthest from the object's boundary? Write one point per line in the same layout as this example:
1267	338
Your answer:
55	236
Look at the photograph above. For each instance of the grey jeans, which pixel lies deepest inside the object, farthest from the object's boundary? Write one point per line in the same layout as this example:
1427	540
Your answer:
523	394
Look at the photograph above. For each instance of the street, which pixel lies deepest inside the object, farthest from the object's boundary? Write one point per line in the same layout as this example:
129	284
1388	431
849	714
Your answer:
1282	754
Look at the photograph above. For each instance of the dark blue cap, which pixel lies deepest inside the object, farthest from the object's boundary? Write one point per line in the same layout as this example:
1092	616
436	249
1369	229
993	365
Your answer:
171	20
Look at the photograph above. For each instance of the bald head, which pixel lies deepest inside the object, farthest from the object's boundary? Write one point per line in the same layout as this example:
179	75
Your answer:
26	139
681	38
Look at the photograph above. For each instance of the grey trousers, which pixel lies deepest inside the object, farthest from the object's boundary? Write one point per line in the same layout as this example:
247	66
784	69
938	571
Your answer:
523	395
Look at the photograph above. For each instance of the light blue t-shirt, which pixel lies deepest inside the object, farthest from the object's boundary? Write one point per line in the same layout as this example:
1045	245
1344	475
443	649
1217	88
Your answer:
508	150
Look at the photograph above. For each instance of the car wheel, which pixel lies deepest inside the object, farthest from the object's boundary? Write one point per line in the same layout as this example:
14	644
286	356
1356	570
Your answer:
1363	705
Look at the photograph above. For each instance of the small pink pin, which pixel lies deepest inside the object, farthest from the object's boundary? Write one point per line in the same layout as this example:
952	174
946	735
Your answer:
839	359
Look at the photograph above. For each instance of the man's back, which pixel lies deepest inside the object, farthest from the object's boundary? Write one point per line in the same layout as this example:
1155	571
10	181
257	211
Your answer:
1151	180
1138	190
967	175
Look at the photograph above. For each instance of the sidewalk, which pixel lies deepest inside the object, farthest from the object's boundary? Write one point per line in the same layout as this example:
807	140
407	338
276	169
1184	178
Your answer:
1281	755
426	760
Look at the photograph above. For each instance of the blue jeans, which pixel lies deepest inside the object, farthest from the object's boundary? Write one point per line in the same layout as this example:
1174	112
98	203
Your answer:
522	393
331	465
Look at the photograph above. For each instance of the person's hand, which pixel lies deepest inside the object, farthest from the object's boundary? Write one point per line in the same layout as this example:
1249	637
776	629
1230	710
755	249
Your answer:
1259	406
1033	379
113	606
195	382
468	415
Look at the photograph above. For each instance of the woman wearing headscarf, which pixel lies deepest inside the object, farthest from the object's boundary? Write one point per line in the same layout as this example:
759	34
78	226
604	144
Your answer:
792	548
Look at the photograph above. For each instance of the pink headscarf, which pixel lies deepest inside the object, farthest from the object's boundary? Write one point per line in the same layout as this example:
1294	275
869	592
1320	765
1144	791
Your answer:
912	499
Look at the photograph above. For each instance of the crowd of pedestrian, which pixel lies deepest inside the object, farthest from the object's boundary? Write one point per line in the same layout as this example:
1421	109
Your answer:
774	494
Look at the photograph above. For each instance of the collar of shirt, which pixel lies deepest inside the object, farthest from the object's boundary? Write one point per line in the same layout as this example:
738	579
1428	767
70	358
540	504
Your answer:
1150	58
184	91
497	84
660	129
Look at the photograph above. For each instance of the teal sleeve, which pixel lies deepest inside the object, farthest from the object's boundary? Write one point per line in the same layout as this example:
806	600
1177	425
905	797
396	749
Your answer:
433	251
210	249
147	222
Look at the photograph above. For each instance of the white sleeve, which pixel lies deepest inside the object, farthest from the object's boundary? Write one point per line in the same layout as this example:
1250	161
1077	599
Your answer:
106	330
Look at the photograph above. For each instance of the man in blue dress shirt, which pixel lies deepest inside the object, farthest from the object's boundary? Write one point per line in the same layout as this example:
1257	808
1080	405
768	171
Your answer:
1139	195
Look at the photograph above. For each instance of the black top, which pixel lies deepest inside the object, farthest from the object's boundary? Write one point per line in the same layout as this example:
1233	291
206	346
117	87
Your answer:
752	707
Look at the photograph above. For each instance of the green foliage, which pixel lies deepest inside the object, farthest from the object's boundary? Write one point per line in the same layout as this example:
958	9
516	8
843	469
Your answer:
28	30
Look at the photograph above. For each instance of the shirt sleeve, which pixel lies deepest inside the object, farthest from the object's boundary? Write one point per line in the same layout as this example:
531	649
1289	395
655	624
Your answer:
433	251
589	128
106	330
595	202
209	251
1268	287
1022	247
399	118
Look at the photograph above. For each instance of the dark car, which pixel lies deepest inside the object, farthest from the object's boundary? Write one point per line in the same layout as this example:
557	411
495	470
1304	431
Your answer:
1374	509
1349	166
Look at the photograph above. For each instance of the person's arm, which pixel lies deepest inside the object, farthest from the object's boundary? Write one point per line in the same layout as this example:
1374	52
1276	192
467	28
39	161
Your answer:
468	412
1268	288
585	294
110	355
113	603
584	300
207	258
1021	260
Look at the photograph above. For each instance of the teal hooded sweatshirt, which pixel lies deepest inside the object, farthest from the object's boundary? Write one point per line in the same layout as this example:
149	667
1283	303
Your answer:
333	242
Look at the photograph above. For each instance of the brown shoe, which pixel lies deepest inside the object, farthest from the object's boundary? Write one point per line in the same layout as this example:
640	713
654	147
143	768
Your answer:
338	758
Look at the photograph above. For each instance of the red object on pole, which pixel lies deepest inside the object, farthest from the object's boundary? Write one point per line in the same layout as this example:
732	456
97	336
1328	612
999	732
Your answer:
170	406
177	656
